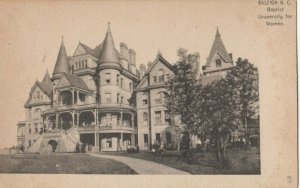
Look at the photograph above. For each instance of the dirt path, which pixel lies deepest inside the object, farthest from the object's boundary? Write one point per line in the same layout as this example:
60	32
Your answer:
143	166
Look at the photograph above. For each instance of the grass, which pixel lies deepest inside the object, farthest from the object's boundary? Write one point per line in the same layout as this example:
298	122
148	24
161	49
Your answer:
61	164
239	161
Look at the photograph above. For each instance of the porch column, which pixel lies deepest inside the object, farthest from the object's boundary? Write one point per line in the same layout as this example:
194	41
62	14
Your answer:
132	120
121	119
132	140
121	144
77	119
73	101
73	118
56	121
77	101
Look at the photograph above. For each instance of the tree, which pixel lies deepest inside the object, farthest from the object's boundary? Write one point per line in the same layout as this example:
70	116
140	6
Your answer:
244	78
181	87
216	112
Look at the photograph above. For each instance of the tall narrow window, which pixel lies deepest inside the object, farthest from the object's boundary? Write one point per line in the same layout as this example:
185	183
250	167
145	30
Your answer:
118	98
145	140
218	63
154	79
157	137
158	117
161	77
130	86
121	83
145	98
122	99
107	78
145	118
118	79
29	129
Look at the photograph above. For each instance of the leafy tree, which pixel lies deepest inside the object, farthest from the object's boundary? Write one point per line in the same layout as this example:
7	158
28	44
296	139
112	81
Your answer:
181	88
244	78
216	112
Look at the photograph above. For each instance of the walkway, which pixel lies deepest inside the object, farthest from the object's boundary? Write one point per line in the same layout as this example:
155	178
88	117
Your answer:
143	166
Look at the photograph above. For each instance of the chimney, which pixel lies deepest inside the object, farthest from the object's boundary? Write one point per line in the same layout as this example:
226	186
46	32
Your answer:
230	55
124	50
142	70
132	57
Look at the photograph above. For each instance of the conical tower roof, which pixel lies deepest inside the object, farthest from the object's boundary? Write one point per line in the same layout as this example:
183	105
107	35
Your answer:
218	47
62	63
109	53
46	79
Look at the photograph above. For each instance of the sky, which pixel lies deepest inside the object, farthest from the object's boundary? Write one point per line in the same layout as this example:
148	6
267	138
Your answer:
30	36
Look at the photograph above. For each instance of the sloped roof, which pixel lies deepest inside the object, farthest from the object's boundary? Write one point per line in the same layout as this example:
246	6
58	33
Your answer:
62	63
46	88
218	47
76	81
89	50
109	53
159	58
46	79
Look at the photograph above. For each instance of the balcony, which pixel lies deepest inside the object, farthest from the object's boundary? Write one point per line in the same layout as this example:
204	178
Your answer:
107	129
89	106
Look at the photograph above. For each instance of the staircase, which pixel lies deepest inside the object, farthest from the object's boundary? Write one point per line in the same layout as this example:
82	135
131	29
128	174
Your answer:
66	141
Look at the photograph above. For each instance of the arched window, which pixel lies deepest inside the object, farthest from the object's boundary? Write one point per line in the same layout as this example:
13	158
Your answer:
161	77
218	63
145	118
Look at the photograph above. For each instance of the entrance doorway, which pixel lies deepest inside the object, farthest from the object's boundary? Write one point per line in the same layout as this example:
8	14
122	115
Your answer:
53	145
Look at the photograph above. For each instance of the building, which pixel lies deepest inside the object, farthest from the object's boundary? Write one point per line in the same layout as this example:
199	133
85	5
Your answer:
98	100
87	102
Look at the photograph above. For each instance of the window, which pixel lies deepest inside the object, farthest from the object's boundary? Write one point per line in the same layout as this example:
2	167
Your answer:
218	63
158	116
157	137
145	101
167	117
167	76
154	79
107	78
29	113
38	95
109	142
76	66
118	98
108	97
161	77
37	113
145	98
145	140
130	86
29	143
118	78
121	83
145	118
36	129
122	99
29	129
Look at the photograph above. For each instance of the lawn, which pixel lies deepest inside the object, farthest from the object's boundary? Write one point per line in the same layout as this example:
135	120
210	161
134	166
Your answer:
239	161
61	164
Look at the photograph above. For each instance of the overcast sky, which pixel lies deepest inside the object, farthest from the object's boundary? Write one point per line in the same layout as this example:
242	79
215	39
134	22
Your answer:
31	35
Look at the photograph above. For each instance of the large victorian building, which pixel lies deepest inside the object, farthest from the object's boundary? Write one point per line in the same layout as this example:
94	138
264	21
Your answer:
98	100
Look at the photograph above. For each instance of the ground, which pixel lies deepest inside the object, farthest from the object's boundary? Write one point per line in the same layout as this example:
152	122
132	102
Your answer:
240	161
61	164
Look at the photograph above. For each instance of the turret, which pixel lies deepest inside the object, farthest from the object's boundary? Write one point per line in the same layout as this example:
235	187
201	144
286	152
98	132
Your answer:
62	63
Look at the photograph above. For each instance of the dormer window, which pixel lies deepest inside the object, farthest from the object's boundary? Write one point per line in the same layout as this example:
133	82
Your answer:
218	63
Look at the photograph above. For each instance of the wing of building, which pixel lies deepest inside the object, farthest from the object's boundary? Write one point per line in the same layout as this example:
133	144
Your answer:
97	100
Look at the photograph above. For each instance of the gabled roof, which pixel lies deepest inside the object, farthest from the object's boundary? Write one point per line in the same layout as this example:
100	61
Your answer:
45	88
159	58
62	63
109	53
218	47
89	50
74	81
